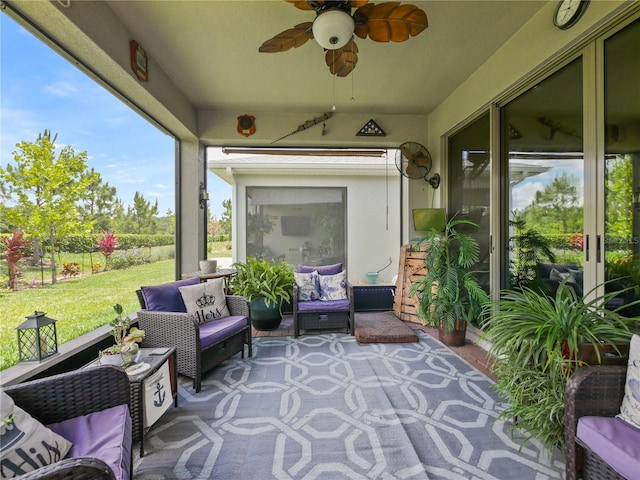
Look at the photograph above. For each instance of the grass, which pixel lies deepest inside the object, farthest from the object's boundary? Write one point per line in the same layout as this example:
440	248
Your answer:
78	304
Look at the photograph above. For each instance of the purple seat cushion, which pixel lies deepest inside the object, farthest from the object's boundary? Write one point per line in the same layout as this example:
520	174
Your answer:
105	435
216	330
322	270
615	441
324	306
167	297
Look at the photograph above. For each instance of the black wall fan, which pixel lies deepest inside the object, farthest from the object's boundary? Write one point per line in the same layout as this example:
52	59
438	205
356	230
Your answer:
414	161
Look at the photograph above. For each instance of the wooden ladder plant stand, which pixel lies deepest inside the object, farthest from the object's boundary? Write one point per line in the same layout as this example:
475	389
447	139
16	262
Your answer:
411	268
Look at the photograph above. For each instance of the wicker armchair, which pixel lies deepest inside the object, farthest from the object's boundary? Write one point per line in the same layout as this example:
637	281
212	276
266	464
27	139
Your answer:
596	391
69	395
182	330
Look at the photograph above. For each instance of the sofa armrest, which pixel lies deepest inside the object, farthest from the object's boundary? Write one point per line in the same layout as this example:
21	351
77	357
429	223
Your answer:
596	391
167	329
68	395
238	305
72	468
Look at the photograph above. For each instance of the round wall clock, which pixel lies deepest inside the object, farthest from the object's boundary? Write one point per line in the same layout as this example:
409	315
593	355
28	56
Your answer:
568	12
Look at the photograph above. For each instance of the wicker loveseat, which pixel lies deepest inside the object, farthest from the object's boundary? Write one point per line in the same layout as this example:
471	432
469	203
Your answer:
89	408
596	392
201	344
311	312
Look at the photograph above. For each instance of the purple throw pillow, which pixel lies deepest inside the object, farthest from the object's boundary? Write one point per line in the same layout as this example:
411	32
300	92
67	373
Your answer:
322	270
167	297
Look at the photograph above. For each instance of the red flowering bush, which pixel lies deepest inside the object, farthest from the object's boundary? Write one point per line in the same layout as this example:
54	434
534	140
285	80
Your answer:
107	245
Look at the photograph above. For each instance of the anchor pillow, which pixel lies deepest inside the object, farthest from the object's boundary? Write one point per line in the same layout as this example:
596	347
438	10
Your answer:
26	444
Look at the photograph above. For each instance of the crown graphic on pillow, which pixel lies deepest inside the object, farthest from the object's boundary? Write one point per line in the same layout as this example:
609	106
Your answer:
206	301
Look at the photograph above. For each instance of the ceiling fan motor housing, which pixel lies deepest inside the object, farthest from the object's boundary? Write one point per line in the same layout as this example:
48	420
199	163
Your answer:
333	28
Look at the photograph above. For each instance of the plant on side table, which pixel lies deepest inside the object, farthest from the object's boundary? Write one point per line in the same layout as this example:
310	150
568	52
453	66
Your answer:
127	338
266	286
449	295
538	341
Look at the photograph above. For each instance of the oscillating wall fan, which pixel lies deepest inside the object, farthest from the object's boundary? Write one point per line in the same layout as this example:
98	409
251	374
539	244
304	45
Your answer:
414	161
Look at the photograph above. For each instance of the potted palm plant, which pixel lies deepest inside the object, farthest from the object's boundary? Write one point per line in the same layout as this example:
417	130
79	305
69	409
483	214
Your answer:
449	295
538	341
266	286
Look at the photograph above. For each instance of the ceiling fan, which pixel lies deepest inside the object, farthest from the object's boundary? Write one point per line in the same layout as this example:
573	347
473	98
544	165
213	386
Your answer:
335	25
414	161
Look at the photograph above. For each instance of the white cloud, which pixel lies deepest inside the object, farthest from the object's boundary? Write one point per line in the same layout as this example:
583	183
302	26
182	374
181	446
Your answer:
61	89
524	193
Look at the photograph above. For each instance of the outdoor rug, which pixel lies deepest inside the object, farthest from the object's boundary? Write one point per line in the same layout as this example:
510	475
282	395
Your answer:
382	327
327	407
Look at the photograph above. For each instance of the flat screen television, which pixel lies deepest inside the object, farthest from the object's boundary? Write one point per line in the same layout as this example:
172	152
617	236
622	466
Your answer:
295	226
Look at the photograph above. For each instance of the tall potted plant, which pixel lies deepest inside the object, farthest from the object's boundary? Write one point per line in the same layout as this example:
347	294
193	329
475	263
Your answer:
538	341
266	286
449	295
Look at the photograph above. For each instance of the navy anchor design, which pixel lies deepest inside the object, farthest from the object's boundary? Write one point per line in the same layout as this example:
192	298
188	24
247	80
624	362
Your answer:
161	394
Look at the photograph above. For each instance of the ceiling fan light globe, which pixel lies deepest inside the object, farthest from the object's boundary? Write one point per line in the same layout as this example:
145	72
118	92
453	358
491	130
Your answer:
333	29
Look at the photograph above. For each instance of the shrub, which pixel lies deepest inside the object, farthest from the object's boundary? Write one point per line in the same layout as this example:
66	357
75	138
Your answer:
70	269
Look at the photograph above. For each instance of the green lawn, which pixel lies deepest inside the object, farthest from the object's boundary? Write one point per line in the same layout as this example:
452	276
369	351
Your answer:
78	304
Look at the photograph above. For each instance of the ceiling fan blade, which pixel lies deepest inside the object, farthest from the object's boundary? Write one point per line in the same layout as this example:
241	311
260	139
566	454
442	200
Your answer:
342	61
358	3
291	38
301	4
391	22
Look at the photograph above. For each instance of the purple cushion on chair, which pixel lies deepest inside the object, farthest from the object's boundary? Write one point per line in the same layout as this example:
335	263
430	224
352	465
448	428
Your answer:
167	297
105	435
614	440
216	330
322	270
324	306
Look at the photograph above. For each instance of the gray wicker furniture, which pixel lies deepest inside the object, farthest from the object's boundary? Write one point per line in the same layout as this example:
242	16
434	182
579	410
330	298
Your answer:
182	330
591	391
69	395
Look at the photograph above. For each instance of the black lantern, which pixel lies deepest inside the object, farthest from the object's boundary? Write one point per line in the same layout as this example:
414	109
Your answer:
37	338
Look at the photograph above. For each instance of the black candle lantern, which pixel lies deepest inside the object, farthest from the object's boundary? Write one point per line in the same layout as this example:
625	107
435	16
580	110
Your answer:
37	338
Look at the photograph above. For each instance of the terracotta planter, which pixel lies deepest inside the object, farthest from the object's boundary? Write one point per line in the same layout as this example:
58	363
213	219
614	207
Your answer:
453	337
608	355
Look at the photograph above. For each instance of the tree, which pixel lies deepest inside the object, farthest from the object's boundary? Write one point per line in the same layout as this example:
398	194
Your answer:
144	214
44	189
225	220
619	217
99	202
556	208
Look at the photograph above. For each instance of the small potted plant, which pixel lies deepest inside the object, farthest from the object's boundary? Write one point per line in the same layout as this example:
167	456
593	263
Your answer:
266	286
127	338
449	295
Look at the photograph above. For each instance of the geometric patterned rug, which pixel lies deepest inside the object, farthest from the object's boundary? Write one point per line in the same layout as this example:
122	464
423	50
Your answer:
327	407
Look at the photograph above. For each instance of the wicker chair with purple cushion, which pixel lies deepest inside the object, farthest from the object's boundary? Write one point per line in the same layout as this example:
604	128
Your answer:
595	391
323	314
200	346
90	408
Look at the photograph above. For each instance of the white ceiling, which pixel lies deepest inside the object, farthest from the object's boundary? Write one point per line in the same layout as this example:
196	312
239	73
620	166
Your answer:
210	51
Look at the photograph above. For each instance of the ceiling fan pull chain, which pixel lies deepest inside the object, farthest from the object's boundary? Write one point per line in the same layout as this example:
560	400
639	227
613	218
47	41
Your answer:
333	54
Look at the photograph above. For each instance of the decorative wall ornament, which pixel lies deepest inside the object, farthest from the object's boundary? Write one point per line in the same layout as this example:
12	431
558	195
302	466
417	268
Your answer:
139	61
246	125
371	129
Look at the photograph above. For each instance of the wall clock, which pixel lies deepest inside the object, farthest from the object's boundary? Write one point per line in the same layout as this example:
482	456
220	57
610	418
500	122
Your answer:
139	61
568	12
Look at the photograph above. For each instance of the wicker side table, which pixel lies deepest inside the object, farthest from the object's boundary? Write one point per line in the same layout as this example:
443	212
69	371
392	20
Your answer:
138	383
156	358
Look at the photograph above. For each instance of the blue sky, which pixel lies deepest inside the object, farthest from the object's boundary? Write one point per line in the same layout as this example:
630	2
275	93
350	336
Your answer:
41	90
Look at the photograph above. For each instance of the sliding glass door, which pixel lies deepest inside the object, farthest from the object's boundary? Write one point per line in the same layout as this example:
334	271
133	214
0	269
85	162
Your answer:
621	141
